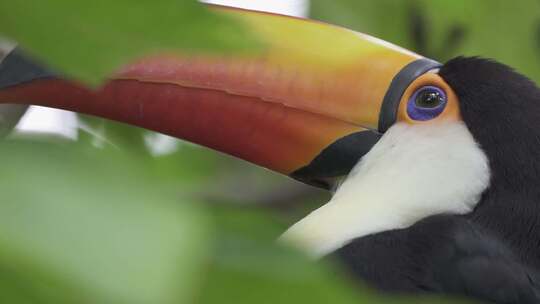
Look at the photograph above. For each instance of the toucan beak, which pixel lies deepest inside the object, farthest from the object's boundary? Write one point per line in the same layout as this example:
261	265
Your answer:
310	105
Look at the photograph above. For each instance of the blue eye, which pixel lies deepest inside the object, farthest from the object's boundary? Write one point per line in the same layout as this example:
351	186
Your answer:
426	103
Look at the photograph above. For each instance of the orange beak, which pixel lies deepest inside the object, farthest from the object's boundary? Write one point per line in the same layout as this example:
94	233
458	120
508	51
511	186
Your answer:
309	106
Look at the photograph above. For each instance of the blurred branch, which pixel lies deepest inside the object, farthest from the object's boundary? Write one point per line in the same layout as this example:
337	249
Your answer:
538	35
452	42
418	29
423	42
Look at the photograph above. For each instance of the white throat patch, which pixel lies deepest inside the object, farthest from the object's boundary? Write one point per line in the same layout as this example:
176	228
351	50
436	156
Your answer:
413	172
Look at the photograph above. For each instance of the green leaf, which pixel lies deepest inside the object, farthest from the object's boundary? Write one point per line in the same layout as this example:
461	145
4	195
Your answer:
89	39
248	266
82	226
508	31
106	133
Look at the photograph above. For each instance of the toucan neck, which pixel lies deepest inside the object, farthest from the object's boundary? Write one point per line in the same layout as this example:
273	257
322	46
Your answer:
510	206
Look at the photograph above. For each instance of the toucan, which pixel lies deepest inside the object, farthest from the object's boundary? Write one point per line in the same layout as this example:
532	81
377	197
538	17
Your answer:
435	168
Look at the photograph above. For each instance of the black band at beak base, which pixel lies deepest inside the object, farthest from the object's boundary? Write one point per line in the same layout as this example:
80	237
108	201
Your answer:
17	68
337	159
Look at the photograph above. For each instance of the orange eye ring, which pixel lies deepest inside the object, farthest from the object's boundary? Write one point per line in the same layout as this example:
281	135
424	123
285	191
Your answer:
451	111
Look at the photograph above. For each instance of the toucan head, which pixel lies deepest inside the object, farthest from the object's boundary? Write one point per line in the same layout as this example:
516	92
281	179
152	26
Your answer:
397	136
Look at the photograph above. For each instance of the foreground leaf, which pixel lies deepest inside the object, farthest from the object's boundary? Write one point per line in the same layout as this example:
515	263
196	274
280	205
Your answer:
248	266
89	39
80	226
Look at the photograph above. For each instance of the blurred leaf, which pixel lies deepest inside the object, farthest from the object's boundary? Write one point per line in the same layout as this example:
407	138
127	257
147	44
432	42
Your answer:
504	30
89	39
108	133
248	266
82	226
191	165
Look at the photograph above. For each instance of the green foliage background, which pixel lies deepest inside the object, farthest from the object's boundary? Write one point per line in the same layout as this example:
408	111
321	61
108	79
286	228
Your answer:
111	223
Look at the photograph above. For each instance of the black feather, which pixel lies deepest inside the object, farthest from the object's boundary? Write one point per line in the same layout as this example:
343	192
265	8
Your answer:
492	253
443	254
501	108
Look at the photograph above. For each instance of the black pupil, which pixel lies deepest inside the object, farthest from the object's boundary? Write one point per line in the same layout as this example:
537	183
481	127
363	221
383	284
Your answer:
429	99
